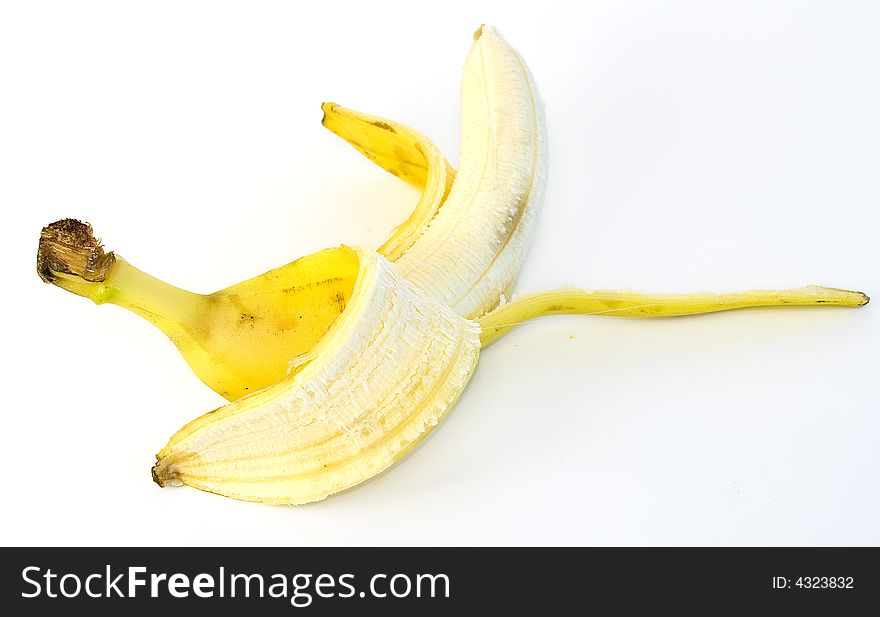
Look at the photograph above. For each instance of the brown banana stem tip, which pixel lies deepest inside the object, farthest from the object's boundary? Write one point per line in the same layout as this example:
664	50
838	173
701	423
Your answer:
164	474
69	246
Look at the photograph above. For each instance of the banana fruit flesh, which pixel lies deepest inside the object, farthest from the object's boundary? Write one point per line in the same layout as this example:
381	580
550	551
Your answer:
383	375
471	252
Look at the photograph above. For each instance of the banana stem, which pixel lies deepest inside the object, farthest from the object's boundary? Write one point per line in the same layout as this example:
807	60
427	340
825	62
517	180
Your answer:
70	257
165	306
625	304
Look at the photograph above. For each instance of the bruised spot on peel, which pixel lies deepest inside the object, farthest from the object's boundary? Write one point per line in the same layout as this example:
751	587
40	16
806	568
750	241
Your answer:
299	288
383	125
247	319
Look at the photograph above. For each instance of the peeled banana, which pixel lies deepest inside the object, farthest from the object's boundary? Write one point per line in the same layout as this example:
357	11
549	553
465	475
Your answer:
341	361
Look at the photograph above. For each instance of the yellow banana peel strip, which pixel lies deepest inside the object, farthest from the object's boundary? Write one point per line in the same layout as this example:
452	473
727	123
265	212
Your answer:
404	152
385	372
248	336
628	304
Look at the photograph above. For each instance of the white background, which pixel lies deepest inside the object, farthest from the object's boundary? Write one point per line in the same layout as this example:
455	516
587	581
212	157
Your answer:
694	146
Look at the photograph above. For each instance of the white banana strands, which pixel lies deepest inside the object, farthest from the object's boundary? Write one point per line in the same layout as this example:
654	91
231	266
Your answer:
404	152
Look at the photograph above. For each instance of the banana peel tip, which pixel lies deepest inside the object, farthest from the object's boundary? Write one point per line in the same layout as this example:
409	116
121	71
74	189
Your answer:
327	107
164	474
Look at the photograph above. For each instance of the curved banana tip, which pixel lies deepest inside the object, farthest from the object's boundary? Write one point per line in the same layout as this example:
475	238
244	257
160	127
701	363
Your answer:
327	107
164	474
835	295
69	246
483	29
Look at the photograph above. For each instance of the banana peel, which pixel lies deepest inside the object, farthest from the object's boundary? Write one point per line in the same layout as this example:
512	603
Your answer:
407	154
